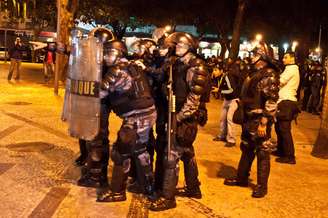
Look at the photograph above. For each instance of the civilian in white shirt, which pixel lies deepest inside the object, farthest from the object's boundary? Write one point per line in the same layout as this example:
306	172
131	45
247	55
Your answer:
287	110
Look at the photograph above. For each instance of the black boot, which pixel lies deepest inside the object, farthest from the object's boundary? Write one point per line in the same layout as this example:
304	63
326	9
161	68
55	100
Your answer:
236	182
190	193
192	189
82	159
118	186
162	204
88	181
259	191
92	179
135	187
263	171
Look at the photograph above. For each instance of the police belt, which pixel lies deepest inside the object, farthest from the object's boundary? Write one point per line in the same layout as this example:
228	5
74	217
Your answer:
255	113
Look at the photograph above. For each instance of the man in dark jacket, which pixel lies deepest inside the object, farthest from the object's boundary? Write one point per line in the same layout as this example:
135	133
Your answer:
15	54
230	86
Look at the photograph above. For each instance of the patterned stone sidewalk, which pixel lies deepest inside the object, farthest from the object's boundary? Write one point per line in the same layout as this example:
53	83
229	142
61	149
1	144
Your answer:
38	178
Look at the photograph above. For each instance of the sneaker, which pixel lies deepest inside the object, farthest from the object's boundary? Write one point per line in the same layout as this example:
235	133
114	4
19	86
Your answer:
162	204
229	144
286	160
219	138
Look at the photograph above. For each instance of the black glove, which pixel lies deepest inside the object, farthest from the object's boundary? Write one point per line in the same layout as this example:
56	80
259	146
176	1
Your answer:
202	116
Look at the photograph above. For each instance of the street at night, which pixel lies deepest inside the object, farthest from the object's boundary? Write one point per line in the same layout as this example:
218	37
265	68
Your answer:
163	109
39	179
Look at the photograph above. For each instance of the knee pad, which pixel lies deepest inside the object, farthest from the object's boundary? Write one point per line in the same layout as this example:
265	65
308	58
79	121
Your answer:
117	157
127	136
96	151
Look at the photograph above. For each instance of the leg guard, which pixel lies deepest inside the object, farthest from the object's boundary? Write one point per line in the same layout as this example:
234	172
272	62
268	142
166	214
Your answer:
246	160
263	167
81	160
151	146
97	163
119	177
159	164
190	169
171	176
143	169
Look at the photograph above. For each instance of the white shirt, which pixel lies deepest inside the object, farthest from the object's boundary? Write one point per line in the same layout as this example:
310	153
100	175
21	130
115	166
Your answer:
289	82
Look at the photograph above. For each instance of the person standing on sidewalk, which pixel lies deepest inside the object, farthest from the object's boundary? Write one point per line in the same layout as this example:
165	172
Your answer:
230	90
49	61
259	96
287	110
15	54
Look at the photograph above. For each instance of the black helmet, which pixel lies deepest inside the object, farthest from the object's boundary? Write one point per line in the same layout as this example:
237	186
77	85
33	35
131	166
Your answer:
143	46
261	51
181	37
161	33
103	34
117	45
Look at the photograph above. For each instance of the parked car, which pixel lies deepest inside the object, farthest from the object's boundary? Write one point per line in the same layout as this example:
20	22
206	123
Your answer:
39	56
4	53
27	53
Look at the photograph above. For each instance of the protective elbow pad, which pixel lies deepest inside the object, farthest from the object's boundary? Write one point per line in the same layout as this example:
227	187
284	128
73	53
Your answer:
199	81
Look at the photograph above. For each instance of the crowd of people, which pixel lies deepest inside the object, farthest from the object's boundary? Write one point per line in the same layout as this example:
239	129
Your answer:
160	93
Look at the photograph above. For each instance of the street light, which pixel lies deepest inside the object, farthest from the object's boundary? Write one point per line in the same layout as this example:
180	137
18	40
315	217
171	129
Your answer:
258	37
285	46
168	28
294	45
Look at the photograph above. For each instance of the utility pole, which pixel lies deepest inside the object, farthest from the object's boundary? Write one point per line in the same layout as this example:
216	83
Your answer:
56	82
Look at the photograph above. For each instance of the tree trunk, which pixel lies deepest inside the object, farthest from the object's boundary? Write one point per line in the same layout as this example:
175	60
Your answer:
320	148
65	22
236	29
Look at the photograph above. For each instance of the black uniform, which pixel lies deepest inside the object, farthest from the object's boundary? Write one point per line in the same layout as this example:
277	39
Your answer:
130	99
317	81
190	80
258	96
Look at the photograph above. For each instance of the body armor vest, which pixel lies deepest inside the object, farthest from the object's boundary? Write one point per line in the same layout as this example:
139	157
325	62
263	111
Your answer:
137	97
251	96
180	85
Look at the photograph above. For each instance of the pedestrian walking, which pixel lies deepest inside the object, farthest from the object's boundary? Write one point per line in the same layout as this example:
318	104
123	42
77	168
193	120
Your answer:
15	54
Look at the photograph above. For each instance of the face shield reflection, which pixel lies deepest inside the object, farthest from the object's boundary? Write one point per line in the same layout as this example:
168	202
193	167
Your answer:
181	49
111	56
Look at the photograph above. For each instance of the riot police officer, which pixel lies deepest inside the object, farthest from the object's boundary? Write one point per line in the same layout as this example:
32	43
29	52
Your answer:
259	98
189	79
317	82
130	99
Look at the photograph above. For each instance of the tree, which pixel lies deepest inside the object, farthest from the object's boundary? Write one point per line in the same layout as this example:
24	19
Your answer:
236	29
